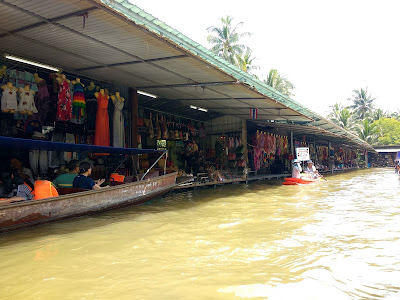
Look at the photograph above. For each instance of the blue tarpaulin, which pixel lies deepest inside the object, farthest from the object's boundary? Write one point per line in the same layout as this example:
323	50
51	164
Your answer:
9	142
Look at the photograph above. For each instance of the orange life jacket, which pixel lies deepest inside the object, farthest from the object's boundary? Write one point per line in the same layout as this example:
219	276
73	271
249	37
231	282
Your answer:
44	189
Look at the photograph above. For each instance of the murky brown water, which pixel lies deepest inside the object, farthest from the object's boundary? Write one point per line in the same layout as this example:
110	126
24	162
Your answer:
338	239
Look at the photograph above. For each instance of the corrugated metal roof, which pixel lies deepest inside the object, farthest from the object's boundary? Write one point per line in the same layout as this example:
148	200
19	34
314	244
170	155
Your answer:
120	43
387	149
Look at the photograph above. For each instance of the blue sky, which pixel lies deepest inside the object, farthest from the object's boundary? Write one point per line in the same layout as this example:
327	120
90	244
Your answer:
325	48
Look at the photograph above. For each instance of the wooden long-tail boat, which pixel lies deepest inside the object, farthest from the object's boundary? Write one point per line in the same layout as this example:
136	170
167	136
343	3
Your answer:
18	215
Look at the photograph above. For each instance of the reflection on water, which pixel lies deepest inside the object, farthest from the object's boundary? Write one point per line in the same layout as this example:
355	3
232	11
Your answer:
338	239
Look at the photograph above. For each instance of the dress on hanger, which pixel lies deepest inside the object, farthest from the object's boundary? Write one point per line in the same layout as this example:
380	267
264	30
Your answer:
102	132
26	102
118	124
9	99
91	108
42	101
78	102
64	106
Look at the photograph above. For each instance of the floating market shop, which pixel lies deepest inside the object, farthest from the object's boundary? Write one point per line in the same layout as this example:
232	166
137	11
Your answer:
162	91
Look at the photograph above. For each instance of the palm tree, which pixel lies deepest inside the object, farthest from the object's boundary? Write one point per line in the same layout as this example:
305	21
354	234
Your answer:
367	131
279	83
342	116
395	115
245	62
226	40
362	103
378	113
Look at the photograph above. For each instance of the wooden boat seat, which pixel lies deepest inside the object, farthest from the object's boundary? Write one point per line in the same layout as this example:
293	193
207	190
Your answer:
66	190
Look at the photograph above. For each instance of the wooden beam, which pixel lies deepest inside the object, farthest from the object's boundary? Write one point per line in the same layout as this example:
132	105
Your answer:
134	105
224	99
132	62
45	21
195	84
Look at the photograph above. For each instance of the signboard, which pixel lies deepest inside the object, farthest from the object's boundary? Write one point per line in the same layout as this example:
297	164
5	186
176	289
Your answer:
303	153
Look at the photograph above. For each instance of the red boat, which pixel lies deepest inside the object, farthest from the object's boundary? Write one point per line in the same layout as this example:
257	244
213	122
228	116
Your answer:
296	181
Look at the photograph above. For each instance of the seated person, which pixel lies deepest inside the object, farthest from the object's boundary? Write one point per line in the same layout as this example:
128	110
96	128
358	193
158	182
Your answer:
67	179
44	189
311	170
83	181
15	187
296	170
23	172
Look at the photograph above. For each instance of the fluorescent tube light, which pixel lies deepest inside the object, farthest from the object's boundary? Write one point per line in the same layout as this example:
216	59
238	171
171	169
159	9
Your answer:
29	62
146	94
199	108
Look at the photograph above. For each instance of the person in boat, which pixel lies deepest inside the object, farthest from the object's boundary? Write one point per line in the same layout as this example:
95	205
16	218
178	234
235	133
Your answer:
296	170
23	172
67	179
311	170
15	187
83	180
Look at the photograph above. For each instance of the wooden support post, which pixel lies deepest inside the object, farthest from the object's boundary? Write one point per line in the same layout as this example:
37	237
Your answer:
134	102
244	143
366	158
291	150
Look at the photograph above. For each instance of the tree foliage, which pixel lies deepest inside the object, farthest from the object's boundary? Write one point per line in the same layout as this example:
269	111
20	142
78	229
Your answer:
389	131
245	61
362	103
225	40
367	131
279	83
342	116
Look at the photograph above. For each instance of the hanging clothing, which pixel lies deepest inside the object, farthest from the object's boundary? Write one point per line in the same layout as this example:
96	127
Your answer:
64	106
22	78
9	99
42	101
38	160
78	102
91	108
102	132
118	124
56	158
27	102
89	94
69	139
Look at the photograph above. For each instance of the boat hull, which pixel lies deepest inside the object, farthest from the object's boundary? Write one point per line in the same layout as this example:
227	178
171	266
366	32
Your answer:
29	213
295	181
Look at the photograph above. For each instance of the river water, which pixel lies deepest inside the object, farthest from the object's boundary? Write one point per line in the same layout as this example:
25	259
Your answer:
338	239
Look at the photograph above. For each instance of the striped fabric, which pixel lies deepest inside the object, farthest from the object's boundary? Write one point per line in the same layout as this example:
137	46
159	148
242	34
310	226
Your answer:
24	192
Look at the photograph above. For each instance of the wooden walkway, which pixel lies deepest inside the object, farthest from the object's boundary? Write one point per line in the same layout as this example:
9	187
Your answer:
259	177
189	185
